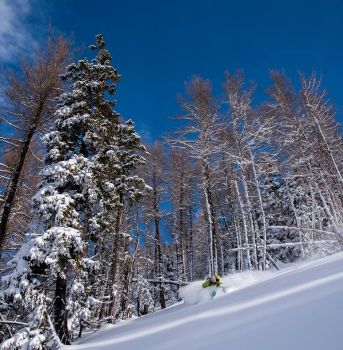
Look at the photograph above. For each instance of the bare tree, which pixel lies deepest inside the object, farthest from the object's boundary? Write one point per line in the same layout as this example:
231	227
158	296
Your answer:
155	177
251	134
182	179
309	141
21	218
200	139
30	100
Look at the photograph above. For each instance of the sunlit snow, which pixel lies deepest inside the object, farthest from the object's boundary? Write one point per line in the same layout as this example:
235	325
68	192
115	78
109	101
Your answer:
296	308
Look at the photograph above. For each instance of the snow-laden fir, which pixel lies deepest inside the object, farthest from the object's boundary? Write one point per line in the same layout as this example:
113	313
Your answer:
86	181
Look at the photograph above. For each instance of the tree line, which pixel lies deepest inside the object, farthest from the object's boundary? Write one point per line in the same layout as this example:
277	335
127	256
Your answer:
96	227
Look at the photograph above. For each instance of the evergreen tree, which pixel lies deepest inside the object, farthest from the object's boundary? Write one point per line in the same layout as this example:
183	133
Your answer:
90	155
278	210
118	151
143	297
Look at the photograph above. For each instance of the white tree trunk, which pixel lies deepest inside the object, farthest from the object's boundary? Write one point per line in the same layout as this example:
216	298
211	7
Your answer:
245	229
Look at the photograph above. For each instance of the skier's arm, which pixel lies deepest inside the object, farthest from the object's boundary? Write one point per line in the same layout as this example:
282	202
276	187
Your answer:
206	284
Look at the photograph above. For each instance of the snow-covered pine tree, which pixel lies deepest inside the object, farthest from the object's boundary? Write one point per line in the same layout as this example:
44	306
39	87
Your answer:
52	271
118	151
143	296
280	216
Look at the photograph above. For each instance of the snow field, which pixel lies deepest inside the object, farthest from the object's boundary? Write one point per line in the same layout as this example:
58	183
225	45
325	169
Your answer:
298	308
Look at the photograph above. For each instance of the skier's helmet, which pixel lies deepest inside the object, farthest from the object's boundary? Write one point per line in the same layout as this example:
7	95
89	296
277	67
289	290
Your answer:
213	279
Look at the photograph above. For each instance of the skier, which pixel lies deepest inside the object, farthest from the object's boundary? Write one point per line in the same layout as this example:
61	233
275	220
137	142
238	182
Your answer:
214	282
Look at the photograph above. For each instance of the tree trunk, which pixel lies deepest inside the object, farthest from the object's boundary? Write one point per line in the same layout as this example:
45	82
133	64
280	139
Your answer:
264	221
13	185
114	258
158	254
239	258
60	312
181	238
191	245
213	260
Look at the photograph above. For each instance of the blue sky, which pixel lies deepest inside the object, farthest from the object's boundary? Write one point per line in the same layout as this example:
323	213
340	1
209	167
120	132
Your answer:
159	45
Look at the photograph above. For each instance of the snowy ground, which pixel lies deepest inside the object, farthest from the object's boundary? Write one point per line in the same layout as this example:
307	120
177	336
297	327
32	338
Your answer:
299	308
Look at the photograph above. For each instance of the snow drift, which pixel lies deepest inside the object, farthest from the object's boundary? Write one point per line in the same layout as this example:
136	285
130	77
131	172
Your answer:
297	308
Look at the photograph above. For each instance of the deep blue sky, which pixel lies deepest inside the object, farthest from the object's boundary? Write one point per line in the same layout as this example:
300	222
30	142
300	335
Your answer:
158	45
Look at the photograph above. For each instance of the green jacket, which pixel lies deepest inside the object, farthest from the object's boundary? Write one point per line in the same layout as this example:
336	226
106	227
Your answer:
208	282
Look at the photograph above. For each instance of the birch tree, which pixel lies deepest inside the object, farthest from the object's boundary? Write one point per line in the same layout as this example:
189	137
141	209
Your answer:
200	140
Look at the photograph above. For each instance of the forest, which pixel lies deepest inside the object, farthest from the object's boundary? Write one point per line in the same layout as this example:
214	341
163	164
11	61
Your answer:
98	226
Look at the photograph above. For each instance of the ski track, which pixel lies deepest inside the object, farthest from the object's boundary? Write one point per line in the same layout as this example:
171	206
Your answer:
299	307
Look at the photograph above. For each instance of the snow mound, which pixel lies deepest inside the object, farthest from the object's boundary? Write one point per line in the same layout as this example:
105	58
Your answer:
194	293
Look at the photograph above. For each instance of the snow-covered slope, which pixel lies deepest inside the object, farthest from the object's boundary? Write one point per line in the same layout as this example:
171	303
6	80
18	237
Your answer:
300	307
